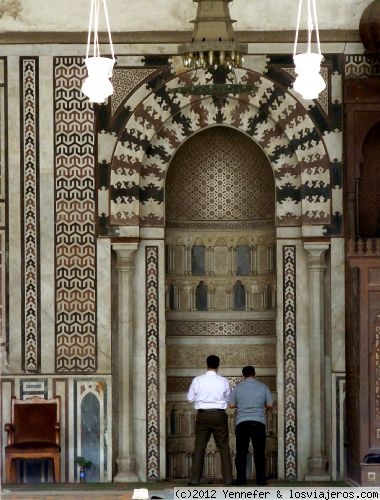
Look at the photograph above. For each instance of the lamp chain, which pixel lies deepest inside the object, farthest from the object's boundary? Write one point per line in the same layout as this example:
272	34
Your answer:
312	24
94	27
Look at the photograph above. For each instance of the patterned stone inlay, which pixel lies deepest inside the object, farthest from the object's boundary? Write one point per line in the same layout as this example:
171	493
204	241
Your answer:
152	362
361	66
188	356
182	384
212	328
124	81
75	219
30	196
290	364
33	387
220	174
323	98
377	371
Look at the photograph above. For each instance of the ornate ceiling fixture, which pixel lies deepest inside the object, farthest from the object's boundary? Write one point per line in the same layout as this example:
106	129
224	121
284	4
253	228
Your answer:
213	44
97	86
309	82
214	48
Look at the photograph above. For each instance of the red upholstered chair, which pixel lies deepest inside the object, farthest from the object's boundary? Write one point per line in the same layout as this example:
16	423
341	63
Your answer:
33	433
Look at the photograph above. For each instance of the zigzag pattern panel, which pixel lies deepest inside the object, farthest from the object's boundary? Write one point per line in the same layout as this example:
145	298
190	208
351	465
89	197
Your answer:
152	357
290	364
29	74
75	220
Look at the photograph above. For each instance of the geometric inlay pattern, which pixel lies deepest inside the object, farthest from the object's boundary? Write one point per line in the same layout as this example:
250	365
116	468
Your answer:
152	368
207	328
193	356
323	98
124	80
75	227
220	174
290	364
30	221
361	66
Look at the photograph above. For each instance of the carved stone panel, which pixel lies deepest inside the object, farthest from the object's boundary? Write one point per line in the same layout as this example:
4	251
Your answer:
220	260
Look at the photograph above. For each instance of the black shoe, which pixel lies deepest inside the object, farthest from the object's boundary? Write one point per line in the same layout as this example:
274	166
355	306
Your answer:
262	482
192	484
237	482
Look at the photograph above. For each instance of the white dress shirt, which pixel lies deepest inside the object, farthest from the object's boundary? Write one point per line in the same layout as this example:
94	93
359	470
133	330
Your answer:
209	391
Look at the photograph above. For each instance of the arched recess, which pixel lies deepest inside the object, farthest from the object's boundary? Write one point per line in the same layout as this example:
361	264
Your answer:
219	191
271	116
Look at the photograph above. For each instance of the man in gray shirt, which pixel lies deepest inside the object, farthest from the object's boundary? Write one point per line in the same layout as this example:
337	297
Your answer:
251	398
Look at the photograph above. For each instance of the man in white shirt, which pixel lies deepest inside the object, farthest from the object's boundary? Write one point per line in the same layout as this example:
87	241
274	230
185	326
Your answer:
210	393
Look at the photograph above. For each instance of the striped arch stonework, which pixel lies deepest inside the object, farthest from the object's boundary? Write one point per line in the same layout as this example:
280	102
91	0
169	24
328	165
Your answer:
270	115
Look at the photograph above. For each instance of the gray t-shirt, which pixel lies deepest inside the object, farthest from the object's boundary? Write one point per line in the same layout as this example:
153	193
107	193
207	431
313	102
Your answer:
250	396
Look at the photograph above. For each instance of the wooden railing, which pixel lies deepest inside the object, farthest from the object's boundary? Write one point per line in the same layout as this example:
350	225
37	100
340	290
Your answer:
363	248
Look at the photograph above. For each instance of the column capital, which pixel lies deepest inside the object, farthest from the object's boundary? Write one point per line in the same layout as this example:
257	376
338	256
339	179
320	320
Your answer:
125	254
315	247
316	254
125	249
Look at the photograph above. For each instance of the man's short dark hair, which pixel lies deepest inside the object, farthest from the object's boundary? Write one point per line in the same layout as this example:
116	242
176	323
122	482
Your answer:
248	371
213	362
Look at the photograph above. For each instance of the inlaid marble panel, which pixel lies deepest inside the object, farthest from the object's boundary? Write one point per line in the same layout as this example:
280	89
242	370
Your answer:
290	361
230	356
224	328
29	73
152	367
75	227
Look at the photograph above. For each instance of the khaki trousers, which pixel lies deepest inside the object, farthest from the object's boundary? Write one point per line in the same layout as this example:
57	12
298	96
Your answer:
213	422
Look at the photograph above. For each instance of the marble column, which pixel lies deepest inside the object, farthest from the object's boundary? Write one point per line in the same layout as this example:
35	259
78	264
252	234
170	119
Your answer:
316	272
125	265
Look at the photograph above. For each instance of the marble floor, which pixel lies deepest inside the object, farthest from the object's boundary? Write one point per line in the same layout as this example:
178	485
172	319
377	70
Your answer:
118	491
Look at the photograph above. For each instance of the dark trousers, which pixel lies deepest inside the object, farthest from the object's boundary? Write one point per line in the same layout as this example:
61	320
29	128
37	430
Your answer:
216	423
245	431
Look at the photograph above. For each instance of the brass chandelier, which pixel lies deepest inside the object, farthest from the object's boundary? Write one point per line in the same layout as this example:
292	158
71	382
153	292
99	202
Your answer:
213	44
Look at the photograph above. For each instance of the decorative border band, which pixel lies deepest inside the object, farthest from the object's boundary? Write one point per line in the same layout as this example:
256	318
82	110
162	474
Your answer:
290	361
152	368
29	162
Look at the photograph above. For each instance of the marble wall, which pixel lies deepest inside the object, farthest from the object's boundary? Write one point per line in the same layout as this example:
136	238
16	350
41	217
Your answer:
86	424
70	211
21	15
